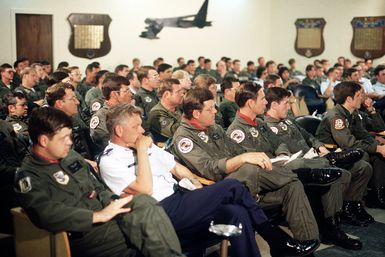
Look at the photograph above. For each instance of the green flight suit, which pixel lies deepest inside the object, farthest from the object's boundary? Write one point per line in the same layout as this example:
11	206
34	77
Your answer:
92	94
258	137
312	83
98	129
297	139
372	122
82	141
83	87
19	124
63	196
12	149
146	100
163	123
205	152
346	130
228	110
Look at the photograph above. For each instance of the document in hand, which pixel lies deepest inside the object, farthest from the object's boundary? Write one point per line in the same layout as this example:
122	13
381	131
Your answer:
287	159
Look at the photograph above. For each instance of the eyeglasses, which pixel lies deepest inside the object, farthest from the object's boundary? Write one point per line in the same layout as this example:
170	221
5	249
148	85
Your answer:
22	105
210	109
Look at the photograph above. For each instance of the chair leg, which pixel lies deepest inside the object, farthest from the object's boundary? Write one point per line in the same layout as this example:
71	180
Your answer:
224	248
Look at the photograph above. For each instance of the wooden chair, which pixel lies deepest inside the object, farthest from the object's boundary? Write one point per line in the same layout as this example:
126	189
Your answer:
31	241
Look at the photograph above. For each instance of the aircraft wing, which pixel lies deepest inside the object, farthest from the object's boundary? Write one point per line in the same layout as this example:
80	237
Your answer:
153	28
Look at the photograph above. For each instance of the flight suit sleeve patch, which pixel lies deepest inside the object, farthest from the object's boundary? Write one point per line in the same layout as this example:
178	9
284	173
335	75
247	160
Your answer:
237	135
163	123
339	124
25	184
16	127
95	106
185	145
274	129
94	122
148	99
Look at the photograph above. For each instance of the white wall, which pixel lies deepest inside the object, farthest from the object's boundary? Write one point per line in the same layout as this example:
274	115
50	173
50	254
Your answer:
233	32
338	31
243	29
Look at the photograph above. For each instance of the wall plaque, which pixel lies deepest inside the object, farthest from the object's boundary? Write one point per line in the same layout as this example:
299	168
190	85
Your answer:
368	37
89	35
309	41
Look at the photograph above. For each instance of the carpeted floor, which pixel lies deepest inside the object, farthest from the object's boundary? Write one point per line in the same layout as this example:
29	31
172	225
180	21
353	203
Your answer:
372	237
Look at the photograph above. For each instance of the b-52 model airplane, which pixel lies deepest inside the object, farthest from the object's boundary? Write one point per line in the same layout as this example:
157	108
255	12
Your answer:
189	21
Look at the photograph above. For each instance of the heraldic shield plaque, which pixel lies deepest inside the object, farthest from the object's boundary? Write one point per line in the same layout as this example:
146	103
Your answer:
309	41
89	35
368	37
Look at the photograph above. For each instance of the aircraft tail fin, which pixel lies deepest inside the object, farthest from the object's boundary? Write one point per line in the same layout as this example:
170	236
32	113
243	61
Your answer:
200	18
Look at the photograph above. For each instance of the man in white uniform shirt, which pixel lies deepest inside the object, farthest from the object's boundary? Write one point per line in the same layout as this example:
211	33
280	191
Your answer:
132	164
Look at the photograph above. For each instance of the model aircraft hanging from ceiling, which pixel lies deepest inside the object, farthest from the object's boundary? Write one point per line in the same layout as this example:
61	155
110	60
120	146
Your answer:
156	25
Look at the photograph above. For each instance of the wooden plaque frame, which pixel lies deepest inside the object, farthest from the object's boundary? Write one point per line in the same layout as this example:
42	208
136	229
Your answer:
309	41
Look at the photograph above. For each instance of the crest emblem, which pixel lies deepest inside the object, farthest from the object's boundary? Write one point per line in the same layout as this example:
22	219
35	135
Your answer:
25	184
61	177
283	126
163	123
96	106
202	135
274	129
89	35
94	122
237	135
309	41
16	127
339	124
368	37
254	132
148	99
185	145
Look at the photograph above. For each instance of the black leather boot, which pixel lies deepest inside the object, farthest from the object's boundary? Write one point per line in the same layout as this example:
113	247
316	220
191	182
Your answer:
320	176
344	159
333	234
376	198
350	215
362	214
281	244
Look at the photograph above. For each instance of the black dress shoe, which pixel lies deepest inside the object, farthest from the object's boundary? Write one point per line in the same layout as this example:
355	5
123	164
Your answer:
344	159
294	247
362	214
333	234
376	198
320	176
350	215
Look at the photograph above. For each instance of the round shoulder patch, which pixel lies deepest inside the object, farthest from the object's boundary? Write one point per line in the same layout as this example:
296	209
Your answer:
274	129
16	127
148	99
237	135
185	145
339	124
95	106
94	122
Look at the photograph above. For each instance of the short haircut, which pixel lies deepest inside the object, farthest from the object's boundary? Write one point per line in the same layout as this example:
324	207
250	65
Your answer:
163	67
200	58
17	62
130	75
47	121
269	63
324	61
63	64
166	85
336	65
282	70
10	99
378	69
117	115
227	83
72	68
179	74
349	72
260	70
27	71
56	77
179	59
35	64
248	91
236	60
330	70
190	62
5	66
275	94
57	92
194	100
143	72
345	89
113	84
309	67
101	74
92	65
273	77
207	60
120	67
291	61
204	81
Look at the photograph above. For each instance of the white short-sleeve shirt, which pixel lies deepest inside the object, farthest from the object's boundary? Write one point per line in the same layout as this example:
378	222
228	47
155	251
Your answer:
118	167
368	87
379	88
325	84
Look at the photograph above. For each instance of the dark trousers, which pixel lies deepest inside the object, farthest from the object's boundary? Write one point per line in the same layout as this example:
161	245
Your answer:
225	202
